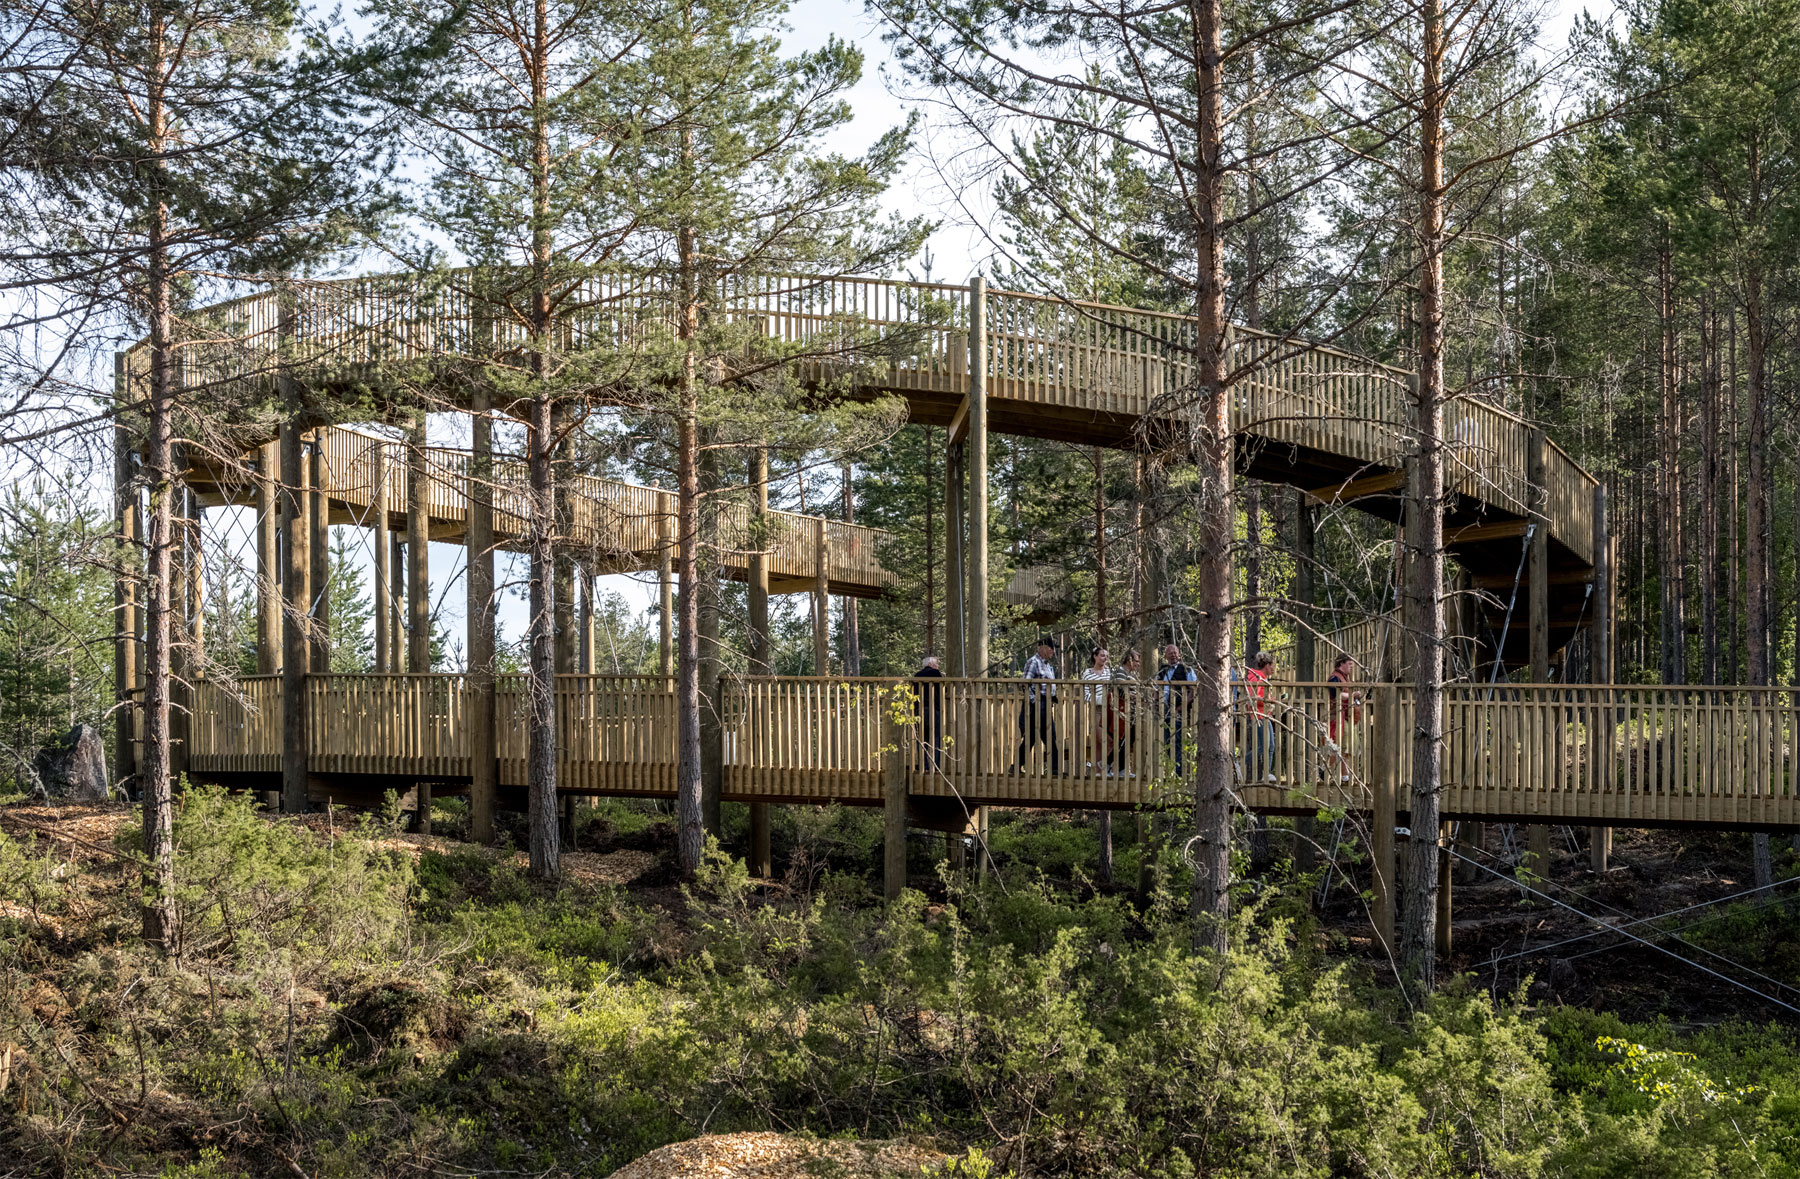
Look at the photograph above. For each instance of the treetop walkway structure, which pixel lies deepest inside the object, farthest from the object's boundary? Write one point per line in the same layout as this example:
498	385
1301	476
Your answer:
1522	518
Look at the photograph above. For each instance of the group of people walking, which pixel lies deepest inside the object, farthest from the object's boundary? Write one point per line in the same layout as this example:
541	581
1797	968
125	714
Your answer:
1119	697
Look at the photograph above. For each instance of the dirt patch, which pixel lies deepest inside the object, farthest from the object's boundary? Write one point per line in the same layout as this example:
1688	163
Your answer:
778	1156
81	833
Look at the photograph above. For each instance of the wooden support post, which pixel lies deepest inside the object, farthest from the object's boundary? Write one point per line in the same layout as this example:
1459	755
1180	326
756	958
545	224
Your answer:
181	642
584	621
1306	659
1538	605
318	506
976	603
418	581
1600	743
821	603
1471	840
296	593
384	567
484	765
1444	910
268	559
761	858
712	746
893	826
665	597
1388	735
126	650
397	602
955	575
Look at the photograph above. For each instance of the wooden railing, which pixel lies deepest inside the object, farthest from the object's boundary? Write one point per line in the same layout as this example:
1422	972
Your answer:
1618	755
621	523
910	338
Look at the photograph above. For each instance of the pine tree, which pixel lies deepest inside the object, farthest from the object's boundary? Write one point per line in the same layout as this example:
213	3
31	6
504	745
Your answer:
739	186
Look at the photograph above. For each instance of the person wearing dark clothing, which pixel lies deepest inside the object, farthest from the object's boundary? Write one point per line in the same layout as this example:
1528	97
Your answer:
1177	680
1035	722
929	708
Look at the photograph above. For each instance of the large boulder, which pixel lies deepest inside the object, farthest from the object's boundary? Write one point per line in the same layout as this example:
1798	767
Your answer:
74	768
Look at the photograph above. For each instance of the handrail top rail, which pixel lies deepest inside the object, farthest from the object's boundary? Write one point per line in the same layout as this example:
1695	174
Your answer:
1017	681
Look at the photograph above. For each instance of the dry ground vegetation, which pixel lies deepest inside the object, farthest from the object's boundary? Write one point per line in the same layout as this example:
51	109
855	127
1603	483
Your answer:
349	1001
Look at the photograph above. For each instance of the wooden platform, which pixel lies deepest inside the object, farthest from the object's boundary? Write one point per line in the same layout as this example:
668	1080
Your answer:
1323	420
1616	756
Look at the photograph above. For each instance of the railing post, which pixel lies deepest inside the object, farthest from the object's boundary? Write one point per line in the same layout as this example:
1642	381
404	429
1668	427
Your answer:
1388	734
893	865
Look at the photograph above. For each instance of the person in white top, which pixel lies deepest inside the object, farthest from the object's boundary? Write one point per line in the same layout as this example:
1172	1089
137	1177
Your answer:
1095	676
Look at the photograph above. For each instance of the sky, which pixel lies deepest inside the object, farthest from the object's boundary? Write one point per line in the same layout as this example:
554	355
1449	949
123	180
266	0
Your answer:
958	249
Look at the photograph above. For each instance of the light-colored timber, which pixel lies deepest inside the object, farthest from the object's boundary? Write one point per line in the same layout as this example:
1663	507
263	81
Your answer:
1614	755
1304	414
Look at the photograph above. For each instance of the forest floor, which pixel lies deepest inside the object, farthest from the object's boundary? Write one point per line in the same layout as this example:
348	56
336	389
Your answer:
342	1013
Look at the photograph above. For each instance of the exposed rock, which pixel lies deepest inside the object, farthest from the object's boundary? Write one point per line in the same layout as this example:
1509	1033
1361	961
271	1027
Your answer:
73	769
779	1156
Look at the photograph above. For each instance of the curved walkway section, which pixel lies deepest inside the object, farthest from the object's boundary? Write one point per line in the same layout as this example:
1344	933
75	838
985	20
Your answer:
1331	423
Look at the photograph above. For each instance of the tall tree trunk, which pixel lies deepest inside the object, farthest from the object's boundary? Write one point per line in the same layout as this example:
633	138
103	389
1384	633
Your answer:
545	831
1759	533
690	833
1103	751
1252	570
1214	773
160	916
1709	496
1425	523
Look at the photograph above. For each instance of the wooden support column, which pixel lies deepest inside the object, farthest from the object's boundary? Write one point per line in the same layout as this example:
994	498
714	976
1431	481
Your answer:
319	517
761	858
127	654
821	602
1306	656
1538	562
296	593
665	596
1443	915
976	603
397	602
268	559
484	765
893	814
1600	838
183	655
1388	735
955	531
384	566
585	653
418	582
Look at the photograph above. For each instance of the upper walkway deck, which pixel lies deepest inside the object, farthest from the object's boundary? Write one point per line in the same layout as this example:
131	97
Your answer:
1334	424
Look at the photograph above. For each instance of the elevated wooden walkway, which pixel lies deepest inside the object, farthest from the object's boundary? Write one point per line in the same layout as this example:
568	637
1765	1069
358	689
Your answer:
1596	755
1323	420
615	527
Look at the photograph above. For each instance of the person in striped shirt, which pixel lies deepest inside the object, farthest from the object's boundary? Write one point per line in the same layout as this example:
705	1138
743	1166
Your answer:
1036	725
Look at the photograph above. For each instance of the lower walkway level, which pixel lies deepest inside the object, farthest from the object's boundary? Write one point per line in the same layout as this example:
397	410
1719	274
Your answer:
1596	755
